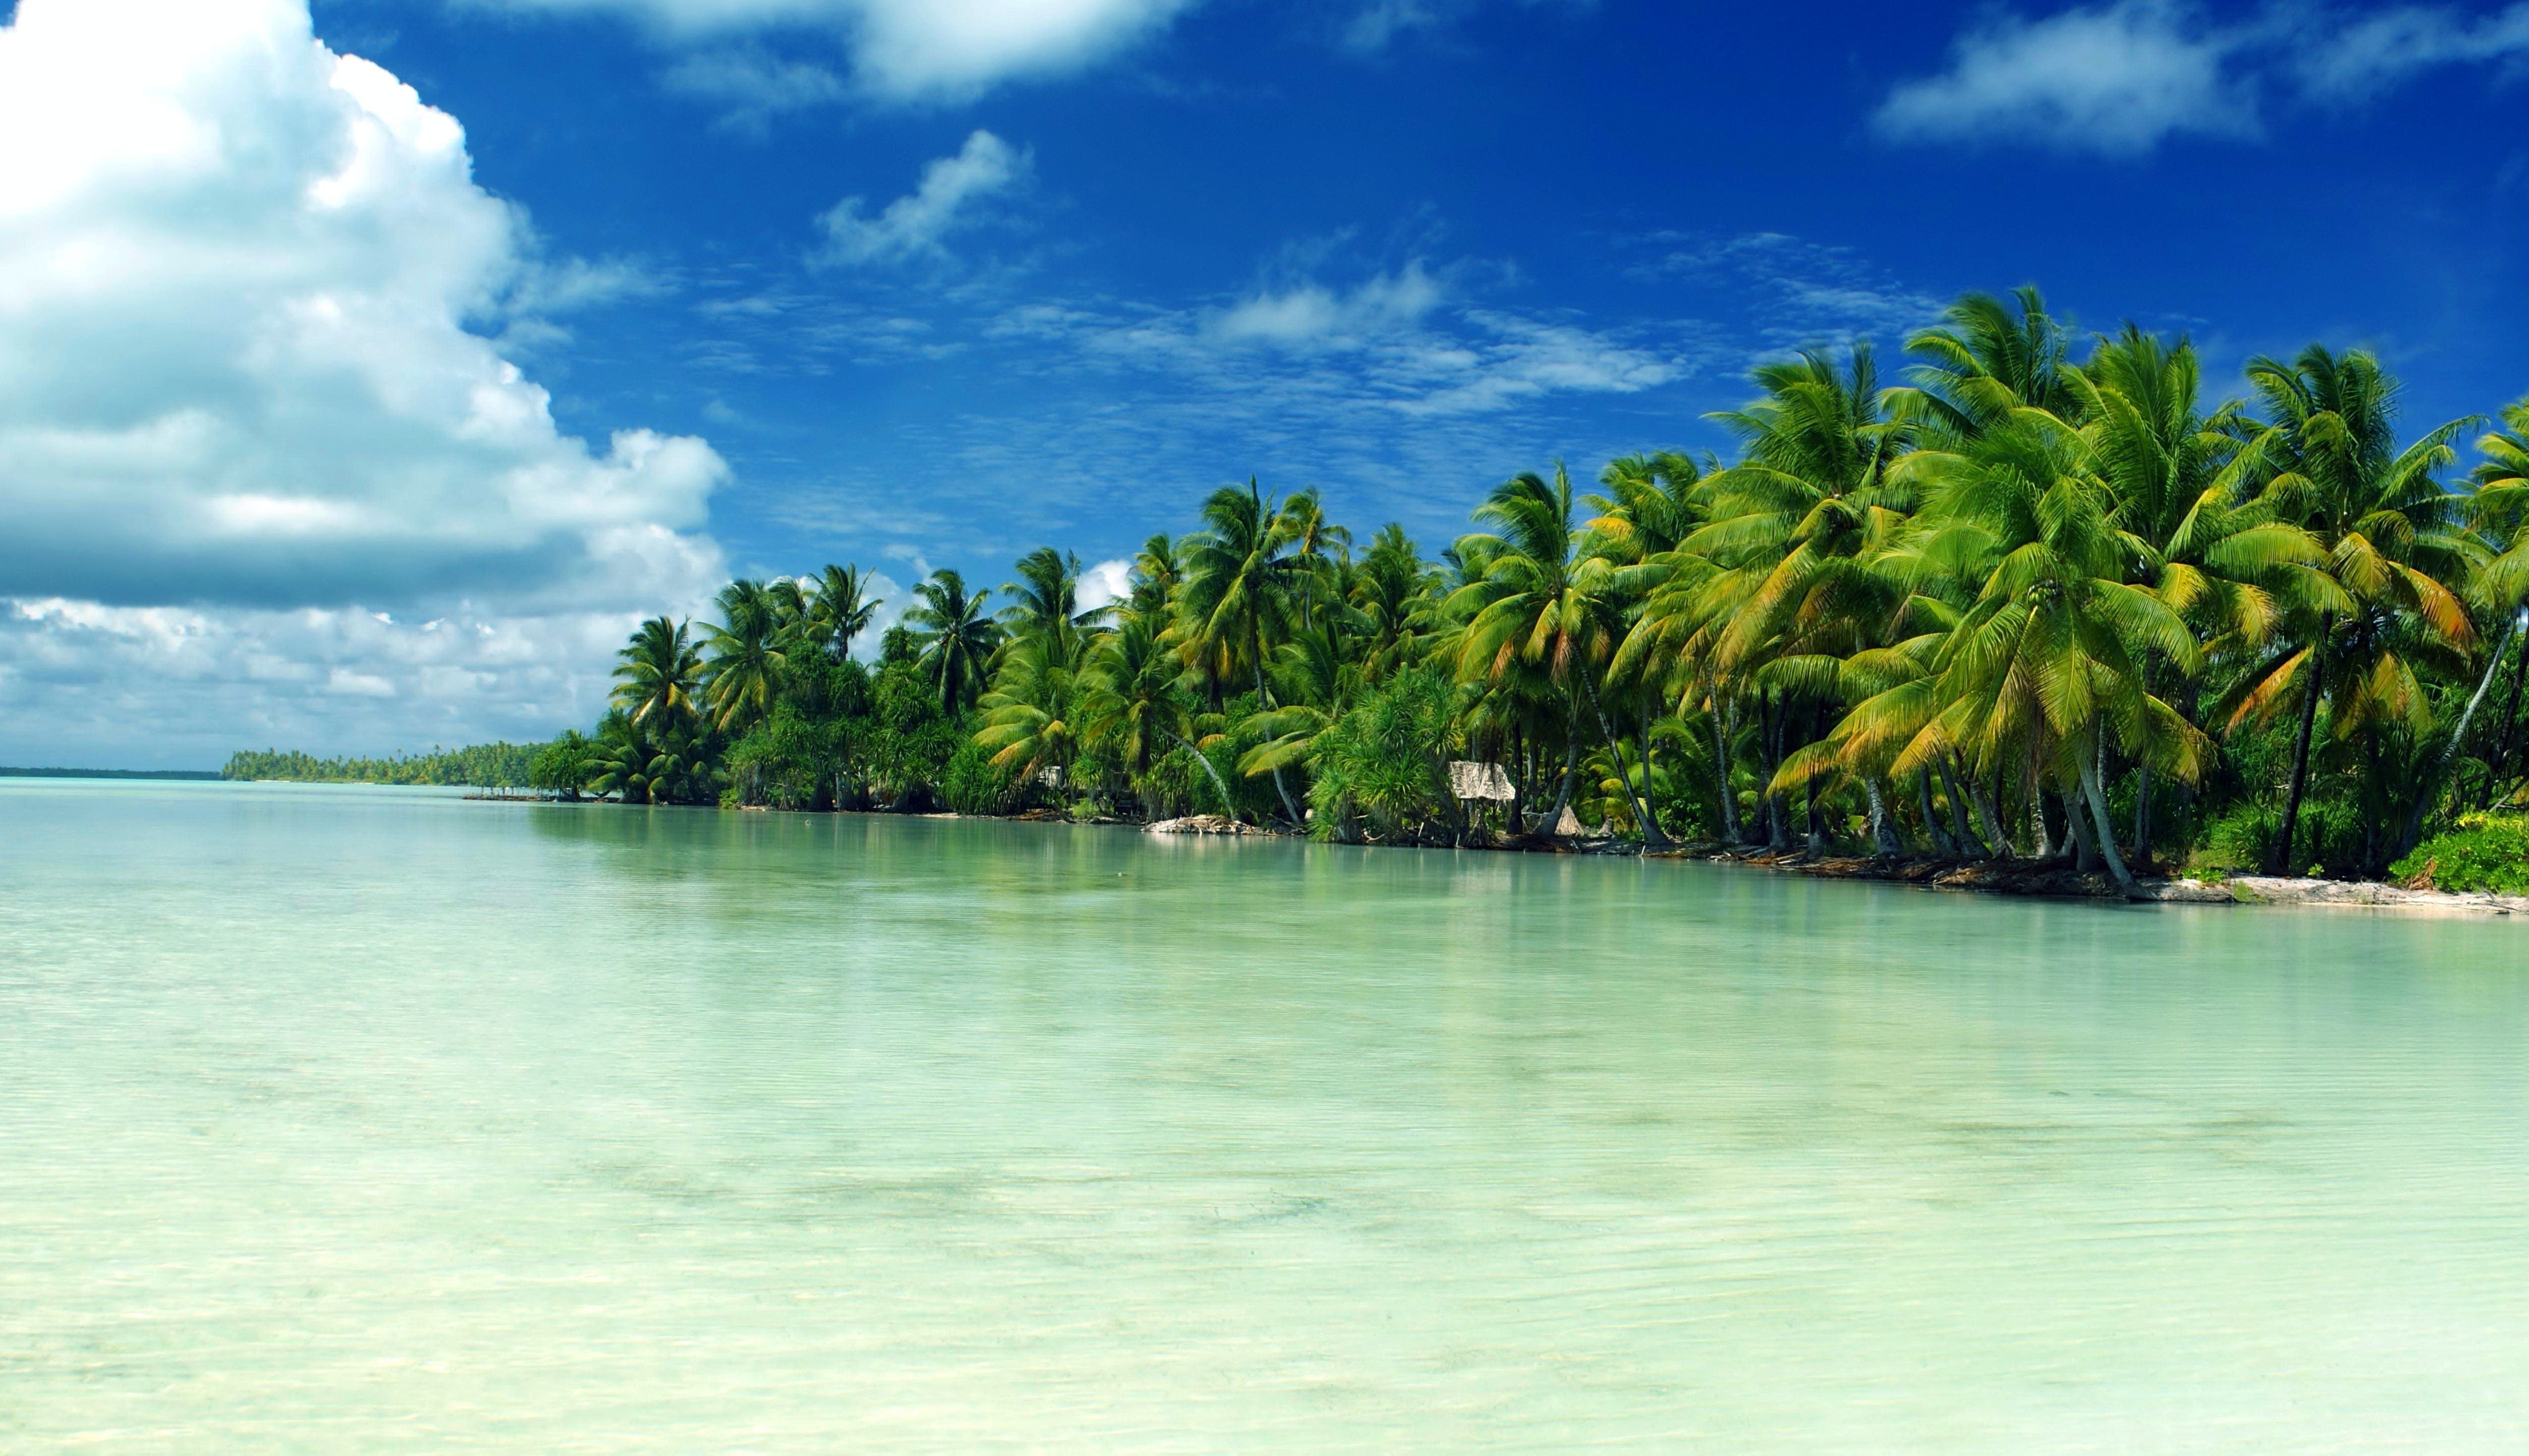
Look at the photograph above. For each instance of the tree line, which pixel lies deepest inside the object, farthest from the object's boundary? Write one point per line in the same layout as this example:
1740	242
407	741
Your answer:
491	765
2011	603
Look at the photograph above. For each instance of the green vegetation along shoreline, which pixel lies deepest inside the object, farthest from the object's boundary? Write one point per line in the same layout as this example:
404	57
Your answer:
2020	608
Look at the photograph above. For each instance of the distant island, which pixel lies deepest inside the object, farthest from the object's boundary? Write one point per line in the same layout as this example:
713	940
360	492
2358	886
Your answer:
108	773
491	765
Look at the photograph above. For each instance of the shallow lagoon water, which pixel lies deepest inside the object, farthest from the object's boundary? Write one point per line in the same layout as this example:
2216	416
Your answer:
344	1118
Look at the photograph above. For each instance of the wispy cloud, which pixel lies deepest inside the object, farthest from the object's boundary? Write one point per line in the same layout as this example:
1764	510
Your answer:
2390	46
2117	80
1311	314
913	226
754	86
2121	78
900	49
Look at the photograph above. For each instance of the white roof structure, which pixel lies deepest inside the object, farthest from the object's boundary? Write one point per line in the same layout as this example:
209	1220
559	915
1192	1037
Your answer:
1481	781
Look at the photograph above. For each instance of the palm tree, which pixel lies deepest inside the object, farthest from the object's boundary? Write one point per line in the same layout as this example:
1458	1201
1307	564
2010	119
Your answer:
2379	553
1045	607
1543	607
2047	660
1133	703
1029	722
745	675
1391	592
957	639
1799	529
1237	593
1158	569
2499	511
657	674
1317	544
841	609
1988	357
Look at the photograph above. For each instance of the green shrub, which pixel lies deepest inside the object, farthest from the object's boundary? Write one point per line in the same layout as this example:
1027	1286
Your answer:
2329	835
2486	851
971	785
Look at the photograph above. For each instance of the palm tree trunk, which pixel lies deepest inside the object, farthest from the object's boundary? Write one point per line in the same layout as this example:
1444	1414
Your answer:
1969	847
1228	800
2279	862
1942	843
2502	764
1650	831
1778	829
1265	699
2425	792
1571	756
1721	769
2142	814
1883	835
2085	845
1988	817
2107	831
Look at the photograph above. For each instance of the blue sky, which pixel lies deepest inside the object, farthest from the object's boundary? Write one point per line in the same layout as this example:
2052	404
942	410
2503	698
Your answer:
928	283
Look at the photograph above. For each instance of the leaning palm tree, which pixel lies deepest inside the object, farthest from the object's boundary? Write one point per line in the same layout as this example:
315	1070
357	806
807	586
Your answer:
744	674
957	639
656	676
2380	546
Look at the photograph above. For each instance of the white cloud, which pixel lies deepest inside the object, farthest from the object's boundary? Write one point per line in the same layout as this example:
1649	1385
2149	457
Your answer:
912	226
1104	584
1311	313
910	48
2118	80
2388	46
236	381
755	86
2115	79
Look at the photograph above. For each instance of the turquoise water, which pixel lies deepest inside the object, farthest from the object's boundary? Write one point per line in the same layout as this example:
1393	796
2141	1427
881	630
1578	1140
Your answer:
350	1119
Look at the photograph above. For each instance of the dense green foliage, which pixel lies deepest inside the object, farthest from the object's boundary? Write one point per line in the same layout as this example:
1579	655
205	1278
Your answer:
2014	604
491	765
2484	852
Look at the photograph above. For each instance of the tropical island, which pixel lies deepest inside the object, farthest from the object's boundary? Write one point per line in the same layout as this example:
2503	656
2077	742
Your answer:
2019	607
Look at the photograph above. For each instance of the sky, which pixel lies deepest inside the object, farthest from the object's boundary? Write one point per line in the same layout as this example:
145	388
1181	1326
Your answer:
366	372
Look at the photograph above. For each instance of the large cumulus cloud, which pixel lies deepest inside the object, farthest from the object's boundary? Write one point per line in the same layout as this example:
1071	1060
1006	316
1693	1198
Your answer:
237	374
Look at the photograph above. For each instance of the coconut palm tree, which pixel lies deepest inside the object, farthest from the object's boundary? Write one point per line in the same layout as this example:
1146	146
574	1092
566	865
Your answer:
1545	606
658	674
1031	721
1799	529
1240	580
2046	661
957	639
1044	607
1133	701
2499	511
2379	547
743	677
1317	546
841	609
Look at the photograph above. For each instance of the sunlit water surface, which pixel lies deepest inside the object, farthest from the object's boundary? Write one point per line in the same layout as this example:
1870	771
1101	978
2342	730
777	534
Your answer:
336	1119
